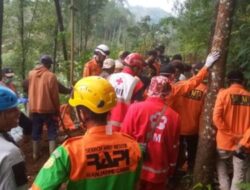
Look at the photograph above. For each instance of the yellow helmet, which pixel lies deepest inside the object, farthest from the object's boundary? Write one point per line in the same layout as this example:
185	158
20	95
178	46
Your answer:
95	93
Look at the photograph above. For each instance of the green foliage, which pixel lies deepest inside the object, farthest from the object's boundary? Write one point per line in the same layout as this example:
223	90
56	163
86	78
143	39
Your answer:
244	186
239	56
200	186
111	22
192	26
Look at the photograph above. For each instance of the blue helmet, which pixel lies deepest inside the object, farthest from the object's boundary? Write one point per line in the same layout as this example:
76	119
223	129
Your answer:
8	99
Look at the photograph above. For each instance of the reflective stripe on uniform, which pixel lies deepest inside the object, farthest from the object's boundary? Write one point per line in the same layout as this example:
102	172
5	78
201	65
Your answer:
123	101
154	170
172	164
114	123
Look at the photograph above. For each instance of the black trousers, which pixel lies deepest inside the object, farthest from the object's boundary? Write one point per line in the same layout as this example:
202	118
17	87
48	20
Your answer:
187	150
25	123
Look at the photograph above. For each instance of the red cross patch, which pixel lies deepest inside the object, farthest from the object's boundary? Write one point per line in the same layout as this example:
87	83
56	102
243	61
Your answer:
119	81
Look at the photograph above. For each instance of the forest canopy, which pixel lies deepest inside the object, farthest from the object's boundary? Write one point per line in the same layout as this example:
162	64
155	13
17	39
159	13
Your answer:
32	27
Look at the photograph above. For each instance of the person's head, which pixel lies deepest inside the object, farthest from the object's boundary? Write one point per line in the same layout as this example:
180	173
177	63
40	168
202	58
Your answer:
135	62
123	54
93	98
177	57
168	71
9	113
179	68
235	76
159	87
118	66
108	65
151	57
46	60
7	75
160	49
101	53
197	67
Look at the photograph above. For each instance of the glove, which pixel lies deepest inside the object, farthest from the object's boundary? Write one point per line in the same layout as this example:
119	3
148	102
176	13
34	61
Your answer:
22	100
211	58
240	153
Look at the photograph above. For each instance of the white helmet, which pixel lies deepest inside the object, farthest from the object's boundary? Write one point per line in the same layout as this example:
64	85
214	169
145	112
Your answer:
103	49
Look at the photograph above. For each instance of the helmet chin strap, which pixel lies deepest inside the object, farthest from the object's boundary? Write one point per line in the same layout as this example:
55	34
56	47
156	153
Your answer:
83	119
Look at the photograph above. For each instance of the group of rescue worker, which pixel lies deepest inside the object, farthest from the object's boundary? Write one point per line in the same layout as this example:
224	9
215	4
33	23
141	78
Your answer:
141	115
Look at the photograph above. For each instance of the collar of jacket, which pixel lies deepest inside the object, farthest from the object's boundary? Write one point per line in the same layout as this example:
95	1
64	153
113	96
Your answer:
236	86
96	129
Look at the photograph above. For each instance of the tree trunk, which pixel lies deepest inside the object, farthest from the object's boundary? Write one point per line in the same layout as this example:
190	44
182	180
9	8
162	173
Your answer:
212	28
72	43
1	30
205	160
21	33
55	47
61	28
86	28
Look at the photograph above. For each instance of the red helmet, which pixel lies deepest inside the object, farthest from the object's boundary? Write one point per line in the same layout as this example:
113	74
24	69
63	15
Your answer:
134	60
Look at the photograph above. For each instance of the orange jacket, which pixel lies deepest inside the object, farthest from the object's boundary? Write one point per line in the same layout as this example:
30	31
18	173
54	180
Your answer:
189	106
43	91
245	141
91	68
231	116
182	87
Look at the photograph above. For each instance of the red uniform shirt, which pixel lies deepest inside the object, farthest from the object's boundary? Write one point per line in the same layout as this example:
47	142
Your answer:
139	119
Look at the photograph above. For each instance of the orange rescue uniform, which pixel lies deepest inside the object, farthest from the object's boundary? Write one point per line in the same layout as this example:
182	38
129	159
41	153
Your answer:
231	116
183	87
189	106
91	68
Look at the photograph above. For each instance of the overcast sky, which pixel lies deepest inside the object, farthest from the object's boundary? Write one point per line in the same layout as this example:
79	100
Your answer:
166	5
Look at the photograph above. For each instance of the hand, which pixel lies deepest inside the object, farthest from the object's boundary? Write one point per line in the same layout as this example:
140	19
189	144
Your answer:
240	153
211	58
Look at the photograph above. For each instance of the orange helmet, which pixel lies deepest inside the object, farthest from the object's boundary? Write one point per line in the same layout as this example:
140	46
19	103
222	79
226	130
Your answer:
134	60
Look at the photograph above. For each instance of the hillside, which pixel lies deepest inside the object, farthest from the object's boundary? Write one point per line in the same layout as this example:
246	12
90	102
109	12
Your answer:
155	13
